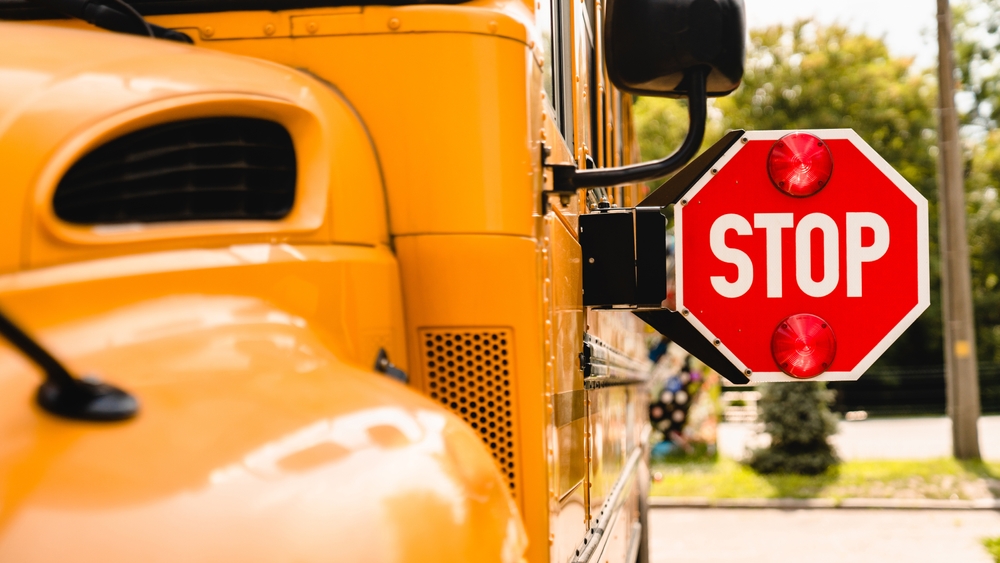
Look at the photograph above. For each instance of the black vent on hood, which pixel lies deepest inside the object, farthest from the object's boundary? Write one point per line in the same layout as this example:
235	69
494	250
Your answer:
196	170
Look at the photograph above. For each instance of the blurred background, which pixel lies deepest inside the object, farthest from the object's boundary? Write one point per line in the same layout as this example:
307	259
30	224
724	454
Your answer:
863	469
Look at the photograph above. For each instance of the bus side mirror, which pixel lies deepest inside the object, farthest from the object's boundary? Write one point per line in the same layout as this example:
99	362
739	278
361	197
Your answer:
650	45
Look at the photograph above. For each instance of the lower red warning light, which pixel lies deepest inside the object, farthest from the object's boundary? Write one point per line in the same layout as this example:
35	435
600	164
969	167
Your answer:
803	346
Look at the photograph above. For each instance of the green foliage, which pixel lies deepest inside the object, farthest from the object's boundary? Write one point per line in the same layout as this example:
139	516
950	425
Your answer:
976	27
806	76
798	419
982	185
993	547
661	126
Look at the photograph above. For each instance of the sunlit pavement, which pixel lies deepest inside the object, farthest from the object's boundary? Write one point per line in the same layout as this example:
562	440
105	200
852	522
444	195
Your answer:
882	438
726	535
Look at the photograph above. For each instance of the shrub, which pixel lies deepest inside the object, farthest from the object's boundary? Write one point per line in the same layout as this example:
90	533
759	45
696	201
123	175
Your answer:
798	419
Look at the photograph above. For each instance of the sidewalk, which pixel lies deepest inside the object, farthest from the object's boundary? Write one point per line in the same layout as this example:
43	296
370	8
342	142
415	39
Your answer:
820	536
883	438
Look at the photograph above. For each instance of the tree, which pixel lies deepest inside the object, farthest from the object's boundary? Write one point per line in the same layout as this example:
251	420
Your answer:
982	184
976	27
977	46
798	419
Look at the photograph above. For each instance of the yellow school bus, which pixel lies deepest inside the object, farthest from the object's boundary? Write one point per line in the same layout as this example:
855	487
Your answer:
301	280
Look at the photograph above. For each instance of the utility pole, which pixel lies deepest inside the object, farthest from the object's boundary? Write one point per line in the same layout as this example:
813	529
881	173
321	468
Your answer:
961	371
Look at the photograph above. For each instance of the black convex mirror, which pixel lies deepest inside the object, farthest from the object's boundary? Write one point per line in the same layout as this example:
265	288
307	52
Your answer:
650	45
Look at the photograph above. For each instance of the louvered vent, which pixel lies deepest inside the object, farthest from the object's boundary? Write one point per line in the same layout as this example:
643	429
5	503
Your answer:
215	168
469	371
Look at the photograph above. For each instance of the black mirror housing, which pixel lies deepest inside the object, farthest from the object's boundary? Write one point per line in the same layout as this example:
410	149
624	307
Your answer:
650	45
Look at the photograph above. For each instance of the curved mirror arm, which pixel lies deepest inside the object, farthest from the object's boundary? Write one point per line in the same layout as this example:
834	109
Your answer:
568	179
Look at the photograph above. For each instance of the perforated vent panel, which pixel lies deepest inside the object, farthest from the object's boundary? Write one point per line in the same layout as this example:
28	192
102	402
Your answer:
470	372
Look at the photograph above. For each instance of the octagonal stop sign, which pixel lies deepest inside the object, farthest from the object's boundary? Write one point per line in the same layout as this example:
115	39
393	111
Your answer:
801	255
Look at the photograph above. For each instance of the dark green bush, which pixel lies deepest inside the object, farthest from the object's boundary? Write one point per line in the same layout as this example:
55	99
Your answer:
798	419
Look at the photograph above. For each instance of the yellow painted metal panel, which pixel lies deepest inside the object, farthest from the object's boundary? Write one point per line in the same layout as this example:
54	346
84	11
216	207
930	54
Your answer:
261	417
120	84
567	425
457	136
351	293
467	282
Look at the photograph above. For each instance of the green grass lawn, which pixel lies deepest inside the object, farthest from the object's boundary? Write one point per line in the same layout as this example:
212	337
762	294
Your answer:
924	479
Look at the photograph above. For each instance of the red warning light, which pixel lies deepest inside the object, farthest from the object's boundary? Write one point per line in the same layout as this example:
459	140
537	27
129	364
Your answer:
800	164
803	346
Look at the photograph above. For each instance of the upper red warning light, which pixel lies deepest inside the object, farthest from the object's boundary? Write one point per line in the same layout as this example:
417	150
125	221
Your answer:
800	164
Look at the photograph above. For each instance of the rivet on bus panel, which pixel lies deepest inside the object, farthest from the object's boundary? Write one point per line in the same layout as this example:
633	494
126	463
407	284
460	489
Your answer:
208	31
269	29
312	27
394	23
492	26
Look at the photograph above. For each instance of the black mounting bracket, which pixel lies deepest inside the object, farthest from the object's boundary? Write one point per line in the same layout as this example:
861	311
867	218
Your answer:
384	366
61	394
625	261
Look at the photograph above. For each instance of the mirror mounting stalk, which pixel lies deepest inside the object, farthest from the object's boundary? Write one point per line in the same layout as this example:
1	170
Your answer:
62	394
570	179
120	17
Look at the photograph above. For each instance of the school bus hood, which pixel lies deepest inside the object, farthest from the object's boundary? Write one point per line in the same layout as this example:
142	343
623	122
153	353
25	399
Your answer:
253	443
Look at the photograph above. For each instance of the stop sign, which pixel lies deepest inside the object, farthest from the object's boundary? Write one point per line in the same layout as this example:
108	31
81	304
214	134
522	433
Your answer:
801	255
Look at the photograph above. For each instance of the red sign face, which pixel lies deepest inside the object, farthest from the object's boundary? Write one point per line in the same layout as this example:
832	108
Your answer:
796	270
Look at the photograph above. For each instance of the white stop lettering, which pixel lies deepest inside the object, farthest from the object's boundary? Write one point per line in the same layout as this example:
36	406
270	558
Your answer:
772	225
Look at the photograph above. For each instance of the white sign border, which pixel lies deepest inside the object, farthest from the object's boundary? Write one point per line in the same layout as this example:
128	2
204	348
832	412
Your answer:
923	256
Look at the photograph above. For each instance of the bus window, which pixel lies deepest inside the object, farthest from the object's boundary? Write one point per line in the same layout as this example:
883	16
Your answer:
544	20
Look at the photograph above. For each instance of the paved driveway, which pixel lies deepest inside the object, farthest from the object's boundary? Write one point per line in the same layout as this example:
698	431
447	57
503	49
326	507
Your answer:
721	535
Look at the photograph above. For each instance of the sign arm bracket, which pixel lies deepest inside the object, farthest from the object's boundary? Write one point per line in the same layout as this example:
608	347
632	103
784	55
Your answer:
675	327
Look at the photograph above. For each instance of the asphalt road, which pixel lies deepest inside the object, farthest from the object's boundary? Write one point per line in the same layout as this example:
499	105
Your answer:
725	535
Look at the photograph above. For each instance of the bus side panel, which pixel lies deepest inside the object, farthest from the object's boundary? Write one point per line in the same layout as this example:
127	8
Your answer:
618	431
472	306
449	113
567	427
